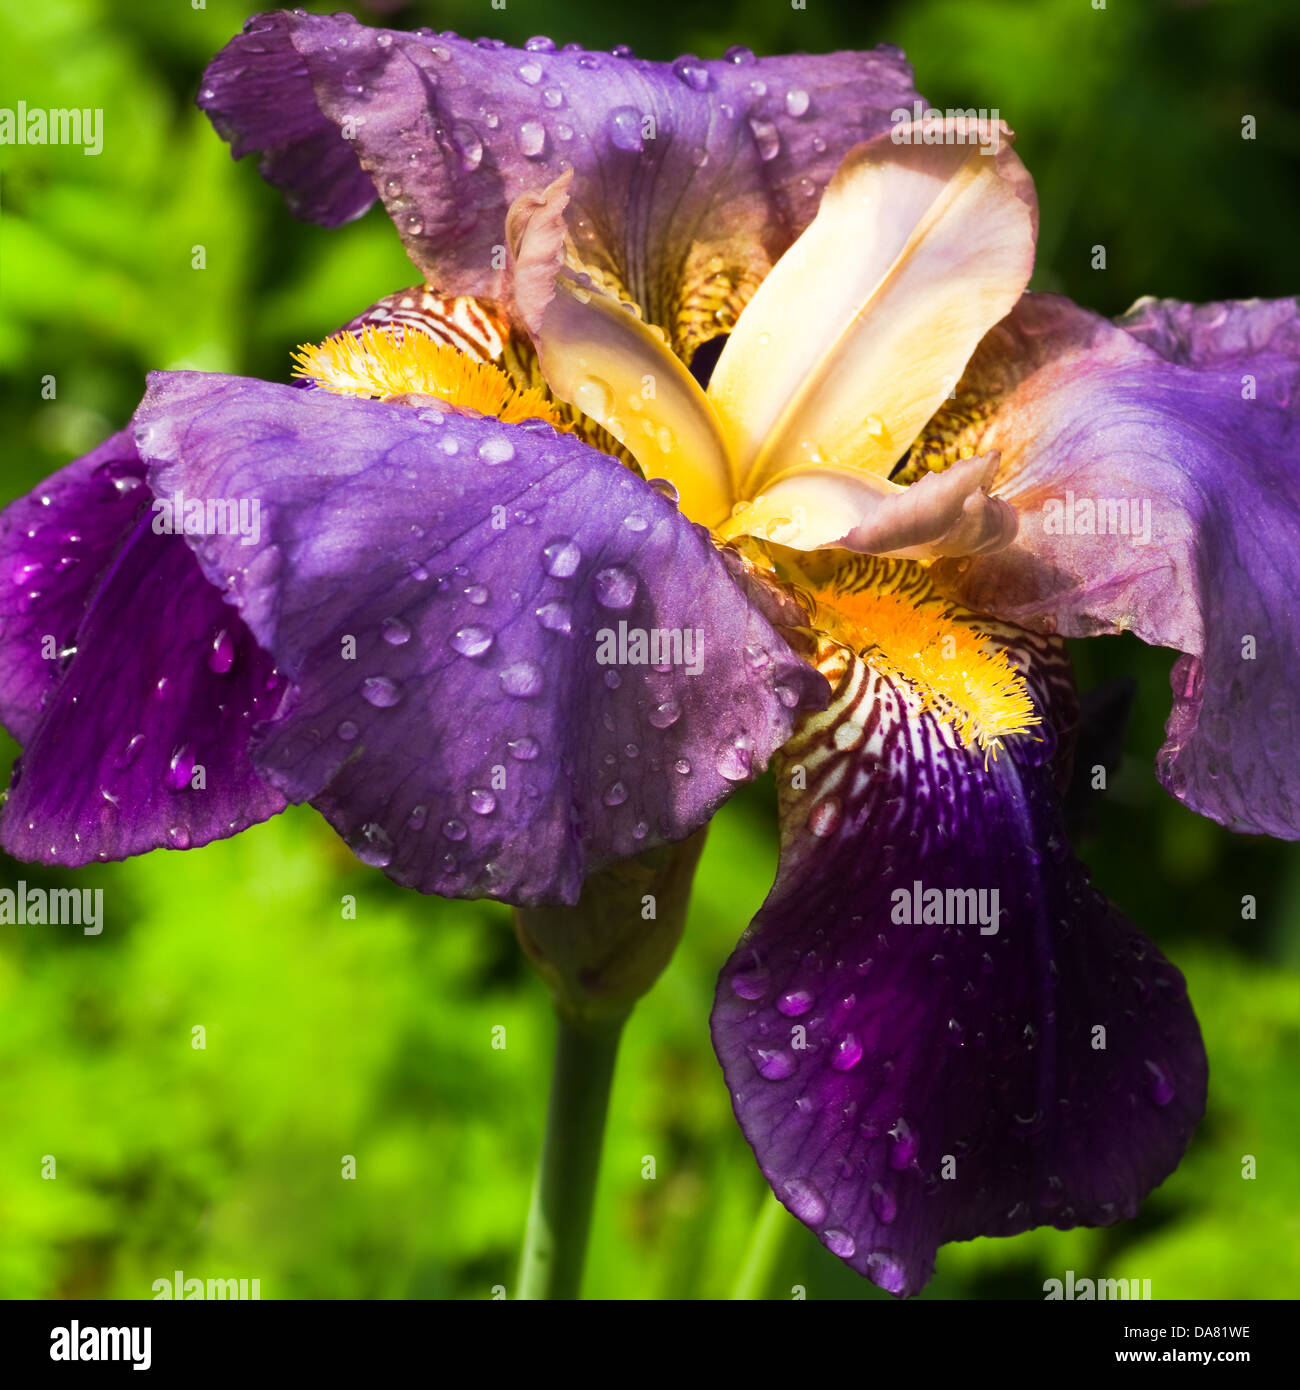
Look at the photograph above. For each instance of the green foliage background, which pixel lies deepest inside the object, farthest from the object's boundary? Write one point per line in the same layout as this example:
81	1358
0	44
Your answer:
371	1037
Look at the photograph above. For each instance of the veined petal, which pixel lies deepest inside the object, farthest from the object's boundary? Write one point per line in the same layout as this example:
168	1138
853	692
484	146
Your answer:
861	330
142	737
1157	476
690	178
599	356
935	1029
456	602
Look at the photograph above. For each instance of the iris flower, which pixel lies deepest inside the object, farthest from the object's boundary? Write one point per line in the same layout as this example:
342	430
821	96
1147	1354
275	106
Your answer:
715	348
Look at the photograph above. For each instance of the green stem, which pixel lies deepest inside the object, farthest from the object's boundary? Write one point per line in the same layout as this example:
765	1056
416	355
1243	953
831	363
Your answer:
770	1231
555	1241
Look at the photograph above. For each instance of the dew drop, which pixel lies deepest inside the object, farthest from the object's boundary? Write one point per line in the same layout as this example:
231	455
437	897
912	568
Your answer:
556	616
417	818
478	594
523	750
682	766
795	1004
530	73
767	138
804	1200
883	1203
772	1064
624	124
839	1242
375	849
395	632
532	139
221	655
797	102
750	984
1159	1087
693	73
847	1054
180	768
455	829
615	795
471	641
522	679
561	557
734	759
666	714
380	692
614	587
347	730
481	801
496	450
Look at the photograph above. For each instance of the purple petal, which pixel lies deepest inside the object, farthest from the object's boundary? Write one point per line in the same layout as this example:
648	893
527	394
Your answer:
475	745
907	1083
1179	441
55	544
690	178
144	740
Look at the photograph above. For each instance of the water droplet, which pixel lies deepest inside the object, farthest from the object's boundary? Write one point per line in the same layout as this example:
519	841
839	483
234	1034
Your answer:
375	849
615	795
886	1271
470	146
530	73
635	522
903	1148
797	102
129	754
847	1054
562	557
750	984
532	139
682	766
395	632
804	1200
380	692
756	657
613	680
614	587
414	226
767	138
735	758
417	818
739	54
556	616
481	801
221	656
788	697
693	73
666	714
773	1064
496	450
795	1004
593	397
180	768
478	594
553	97
523	750
455	829
347	730
522	679
624	125
471	641
839	1242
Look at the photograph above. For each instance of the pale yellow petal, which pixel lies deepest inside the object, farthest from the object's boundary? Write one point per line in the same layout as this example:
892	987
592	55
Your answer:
864	326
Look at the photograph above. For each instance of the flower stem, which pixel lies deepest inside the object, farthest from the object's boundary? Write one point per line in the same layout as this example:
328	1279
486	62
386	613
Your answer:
765	1245
555	1241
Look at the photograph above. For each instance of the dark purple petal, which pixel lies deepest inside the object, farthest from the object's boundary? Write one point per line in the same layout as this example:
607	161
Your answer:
144	740
475	744
55	544
1157	475
690	178
903	1083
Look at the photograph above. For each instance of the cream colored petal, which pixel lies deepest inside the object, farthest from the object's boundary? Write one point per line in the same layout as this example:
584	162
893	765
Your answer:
863	327
948	513
598	355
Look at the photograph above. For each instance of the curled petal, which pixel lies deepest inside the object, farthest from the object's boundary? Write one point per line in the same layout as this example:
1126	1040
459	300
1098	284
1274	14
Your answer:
935	1029
690	178
598	355
457	603
947	513
1156	470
